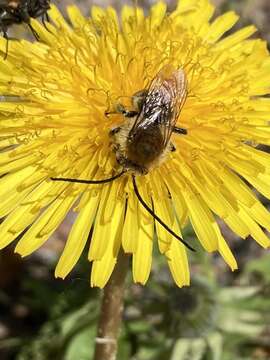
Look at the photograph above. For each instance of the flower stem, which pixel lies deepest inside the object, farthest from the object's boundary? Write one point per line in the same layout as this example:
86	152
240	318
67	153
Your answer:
111	311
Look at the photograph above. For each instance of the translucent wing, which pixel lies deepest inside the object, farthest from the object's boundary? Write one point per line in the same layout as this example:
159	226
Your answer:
165	98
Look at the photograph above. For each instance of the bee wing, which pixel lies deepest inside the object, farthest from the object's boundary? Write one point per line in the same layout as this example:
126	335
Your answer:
175	88
165	98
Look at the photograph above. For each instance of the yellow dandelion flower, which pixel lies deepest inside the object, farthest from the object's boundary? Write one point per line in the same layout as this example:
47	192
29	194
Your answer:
54	124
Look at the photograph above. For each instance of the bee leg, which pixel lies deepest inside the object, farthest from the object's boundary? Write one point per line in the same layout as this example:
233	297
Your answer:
47	17
127	113
5	35
116	148
34	32
130	114
181	131
44	18
172	148
121	159
114	131
138	99
120	109
130	165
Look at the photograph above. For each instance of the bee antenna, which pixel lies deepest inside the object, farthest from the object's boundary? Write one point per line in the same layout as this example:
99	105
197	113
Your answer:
80	181
156	217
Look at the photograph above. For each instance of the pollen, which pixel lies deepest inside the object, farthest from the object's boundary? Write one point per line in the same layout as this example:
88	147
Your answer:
55	96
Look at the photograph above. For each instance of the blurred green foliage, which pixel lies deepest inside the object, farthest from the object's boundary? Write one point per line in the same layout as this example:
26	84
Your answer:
206	321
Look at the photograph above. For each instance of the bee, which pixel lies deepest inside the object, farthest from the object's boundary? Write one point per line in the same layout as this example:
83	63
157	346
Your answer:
21	11
142	141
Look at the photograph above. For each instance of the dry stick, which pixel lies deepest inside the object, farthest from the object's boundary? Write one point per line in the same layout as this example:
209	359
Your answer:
111	311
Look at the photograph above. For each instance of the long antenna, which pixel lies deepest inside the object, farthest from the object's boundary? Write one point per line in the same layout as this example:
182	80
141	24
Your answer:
156	217
80	181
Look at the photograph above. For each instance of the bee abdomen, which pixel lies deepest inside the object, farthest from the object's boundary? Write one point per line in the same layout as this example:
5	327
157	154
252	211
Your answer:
145	146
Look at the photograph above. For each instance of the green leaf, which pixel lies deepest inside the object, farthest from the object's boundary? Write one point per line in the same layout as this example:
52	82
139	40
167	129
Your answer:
261	266
235	293
189	349
81	347
215	343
